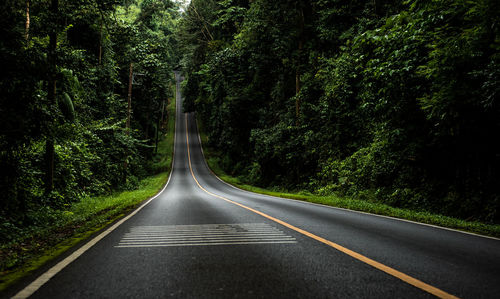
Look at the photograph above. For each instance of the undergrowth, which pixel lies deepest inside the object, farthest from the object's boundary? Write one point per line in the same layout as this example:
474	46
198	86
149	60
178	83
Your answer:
54	231
352	203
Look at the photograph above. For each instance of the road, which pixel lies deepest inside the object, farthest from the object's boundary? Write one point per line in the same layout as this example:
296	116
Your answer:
201	238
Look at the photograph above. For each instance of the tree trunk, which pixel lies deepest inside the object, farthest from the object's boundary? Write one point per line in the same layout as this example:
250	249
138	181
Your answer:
157	135
100	43
299	62
27	32
129	97
129	112
51	97
162	110
297	97
159	125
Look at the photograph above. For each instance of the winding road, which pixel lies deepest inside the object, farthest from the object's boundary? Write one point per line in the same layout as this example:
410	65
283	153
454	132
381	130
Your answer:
202	238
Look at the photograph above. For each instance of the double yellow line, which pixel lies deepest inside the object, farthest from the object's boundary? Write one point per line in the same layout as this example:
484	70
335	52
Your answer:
391	271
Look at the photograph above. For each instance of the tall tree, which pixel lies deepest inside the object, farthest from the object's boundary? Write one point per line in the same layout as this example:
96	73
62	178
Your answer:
51	91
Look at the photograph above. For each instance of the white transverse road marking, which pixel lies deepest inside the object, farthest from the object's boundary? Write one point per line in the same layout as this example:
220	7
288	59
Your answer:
204	235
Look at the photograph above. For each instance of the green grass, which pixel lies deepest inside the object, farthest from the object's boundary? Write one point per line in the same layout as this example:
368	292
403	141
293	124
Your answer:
83	219
213	158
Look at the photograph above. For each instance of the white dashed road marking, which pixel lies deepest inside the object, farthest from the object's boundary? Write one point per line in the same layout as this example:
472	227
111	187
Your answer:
204	235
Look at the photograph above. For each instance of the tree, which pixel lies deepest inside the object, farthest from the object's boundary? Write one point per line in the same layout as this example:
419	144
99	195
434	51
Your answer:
64	100
387	98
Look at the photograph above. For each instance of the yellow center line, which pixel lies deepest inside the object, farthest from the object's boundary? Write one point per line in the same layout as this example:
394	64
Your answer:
391	271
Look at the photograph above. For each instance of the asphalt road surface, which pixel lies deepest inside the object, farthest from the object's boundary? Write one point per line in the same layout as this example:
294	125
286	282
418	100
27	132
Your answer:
201	238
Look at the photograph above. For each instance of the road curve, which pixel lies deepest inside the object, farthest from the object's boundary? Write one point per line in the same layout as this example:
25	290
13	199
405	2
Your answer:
201	238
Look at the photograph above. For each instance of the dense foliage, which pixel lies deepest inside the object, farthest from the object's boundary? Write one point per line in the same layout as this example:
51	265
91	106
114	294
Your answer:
383	100
64	133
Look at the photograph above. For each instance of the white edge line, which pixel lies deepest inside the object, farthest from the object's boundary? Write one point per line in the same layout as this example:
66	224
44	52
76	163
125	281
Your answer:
335	208
45	277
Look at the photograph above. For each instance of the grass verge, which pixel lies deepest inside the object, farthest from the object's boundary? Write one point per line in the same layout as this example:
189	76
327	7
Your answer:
40	245
213	157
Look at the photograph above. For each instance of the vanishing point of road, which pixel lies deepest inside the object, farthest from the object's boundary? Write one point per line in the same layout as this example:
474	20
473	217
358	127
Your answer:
201	238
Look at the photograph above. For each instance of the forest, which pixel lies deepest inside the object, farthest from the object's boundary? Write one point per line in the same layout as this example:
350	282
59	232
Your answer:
85	86
393	102
384	101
